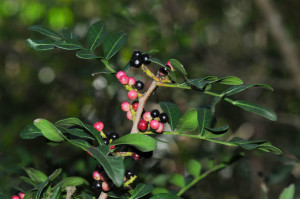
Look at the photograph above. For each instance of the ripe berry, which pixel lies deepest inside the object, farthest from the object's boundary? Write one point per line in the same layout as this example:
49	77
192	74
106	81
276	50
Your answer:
139	85
124	79
128	115
164	117
99	168
96	175
119	74
163	71
129	173
160	128
135	156
147	116
21	195
105	186
145	59
154	124
142	125
168	64
15	197
136	62
154	113
97	185
103	176
132	94
113	136
125	106
112	147
135	105
131	81
99	126
136	54
106	141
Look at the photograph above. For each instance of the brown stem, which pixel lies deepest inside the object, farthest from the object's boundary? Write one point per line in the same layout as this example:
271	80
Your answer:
70	191
142	102
103	195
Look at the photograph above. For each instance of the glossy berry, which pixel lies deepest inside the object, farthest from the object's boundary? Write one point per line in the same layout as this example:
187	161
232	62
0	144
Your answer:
125	106
129	174
119	74
136	62
106	141
131	81
99	168
135	156
142	125
136	54
105	186
99	126
21	195
160	128
163	71
15	197
135	105
147	116
154	124
124	79
132	94
145	59
97	185
139	85
96	175
112	147
164	118
113	136
128	115
154	113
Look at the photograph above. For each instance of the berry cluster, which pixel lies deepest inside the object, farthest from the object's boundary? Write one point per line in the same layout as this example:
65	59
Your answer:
19	195
154	120
107	138
164	70
102	182
137	59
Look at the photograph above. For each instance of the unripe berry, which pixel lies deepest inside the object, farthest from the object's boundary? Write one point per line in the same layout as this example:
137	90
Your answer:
96	175
131	81
128	115
132	94
99	126
135	105
135	156
142	125
147	116
124	79
160	128
119	74
105	186
154	124
125	106
15	197
21	195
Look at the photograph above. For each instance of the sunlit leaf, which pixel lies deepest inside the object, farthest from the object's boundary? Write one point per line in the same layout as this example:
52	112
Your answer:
288	193
194	167
44	44
48	130
177	180
188	122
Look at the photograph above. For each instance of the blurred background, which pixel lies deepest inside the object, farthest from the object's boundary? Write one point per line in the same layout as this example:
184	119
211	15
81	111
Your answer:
254	40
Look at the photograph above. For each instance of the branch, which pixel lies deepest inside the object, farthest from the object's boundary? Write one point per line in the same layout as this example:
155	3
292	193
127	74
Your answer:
70	191
103	195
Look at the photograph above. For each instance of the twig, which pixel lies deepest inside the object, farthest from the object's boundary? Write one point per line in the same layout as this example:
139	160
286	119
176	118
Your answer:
103	195
70	191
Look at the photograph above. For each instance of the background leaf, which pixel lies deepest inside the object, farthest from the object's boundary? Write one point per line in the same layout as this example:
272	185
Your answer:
113	43
288	193
165	196
177	180
173	112
194	167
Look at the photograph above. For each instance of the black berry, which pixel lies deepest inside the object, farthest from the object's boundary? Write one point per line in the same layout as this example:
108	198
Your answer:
163	70
145	59
136	54
106	141
139	85
155	113
113	136
129	173
164	117
97	185
99	168
136	62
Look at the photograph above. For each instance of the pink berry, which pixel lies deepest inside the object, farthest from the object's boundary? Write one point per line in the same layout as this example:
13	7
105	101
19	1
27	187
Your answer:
96	175
131	81
147	116
99	126
124	79
160	128
22	195
169	64
112	147
15	197
154	124
119	74
132	94
135	156
128	115
105	186
125	106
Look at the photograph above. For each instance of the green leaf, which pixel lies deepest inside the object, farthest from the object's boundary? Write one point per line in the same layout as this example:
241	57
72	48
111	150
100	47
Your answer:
178	66
173	112
86	54
288	193
230	80
56	193
177	180
30	132
165	196
68	35
205	117
48	130
194	167
70	44
172	75
239	88
157	61
41	188
36	175
141	190
55	174
71	181
113	166
28	180
257	109
113	43
45	31
158	190
80	133
142	142
96	35
44	44
215	101
80	143
218	130
152	51
188	122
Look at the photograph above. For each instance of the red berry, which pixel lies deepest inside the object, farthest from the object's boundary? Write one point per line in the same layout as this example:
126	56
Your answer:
154	124
22	195
135	105
112	147
125	106
143	125
96	175
147	116
124	79
15	197
128	115
119	74
131	81
132	94
103	176
160	128
135	156
105	186
169	64
99	126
